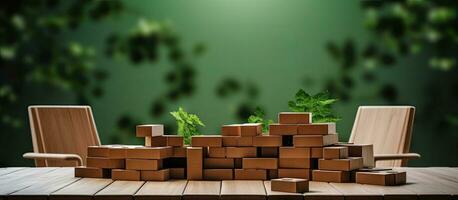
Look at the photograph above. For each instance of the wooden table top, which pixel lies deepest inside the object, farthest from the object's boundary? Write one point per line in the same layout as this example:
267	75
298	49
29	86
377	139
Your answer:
60	183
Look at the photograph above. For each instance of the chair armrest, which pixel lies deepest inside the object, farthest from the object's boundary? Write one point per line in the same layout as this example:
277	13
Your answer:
401	156
54	156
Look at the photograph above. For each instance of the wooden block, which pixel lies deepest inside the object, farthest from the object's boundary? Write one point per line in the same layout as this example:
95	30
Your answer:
316	152
294	152
331	176
216	152
316	129
294	185
105	163
240	152
250	129
238	163
92	172
236	141
294	173
361	150
315	140
98	151
294	117
179	152
294	163
381	178
150	130
267	141
231	130
250	174
346	164
156	175
272	174
174	140
268	152
143	164
218	174
117	152
218	163
155	141
126	175
149	152
260	163
194	163
282	129
177	173
335	152
206	141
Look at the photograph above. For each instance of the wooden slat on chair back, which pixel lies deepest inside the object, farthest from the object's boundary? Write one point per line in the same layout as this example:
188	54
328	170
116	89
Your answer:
389	128
62	129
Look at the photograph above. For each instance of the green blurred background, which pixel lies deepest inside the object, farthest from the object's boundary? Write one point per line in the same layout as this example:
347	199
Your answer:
135	61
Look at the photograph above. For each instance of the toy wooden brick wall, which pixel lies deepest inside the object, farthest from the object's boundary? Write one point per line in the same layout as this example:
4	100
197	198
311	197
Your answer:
293	148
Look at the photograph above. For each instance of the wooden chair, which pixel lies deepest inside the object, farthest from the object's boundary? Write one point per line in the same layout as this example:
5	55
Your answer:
61	134
389	129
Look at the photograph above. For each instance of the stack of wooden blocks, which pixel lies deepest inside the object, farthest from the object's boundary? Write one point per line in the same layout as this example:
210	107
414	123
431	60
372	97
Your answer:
162	157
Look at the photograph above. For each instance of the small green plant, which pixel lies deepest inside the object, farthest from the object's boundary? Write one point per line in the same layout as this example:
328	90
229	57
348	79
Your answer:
187	124
258	117
319	105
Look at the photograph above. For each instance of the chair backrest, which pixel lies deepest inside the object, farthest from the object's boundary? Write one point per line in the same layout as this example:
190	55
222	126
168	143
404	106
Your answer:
62	129
388	128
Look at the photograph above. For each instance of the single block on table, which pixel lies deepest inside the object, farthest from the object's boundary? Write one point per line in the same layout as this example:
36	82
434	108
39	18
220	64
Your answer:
294	163
346	164
294	185
216	152
260	163
316	129
361	150
147	130
250	129
92	172
155	175
268	152
294	117
155	141
294	152
250	174
174	140
218	174
381	178
194	165
105	163
240	152
218	163
315	140
231	130
294	173
331	176
206	141
177	173
125	174
237	141
282	129
149	152
267	141
335	152
143	164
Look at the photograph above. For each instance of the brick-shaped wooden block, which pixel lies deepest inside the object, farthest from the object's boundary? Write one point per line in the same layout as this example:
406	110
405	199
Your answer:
260	163
294	173
99	151
155	141
236	141
206	141
316	129
156	175
250	174
240	152
250	129
218	163
267	141
147	130
346	164
179	152
218	174
294	117
105	163
294	185
361	150
294	163
294	152
282	129
268	152
125	175
195	156
143	164
174	140
177	173
381	178
231	130
315	140
331	176
216	152
335	152
92	172
316	152
149	152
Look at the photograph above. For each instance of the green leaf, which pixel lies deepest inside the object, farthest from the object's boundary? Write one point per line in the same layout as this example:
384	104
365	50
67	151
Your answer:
187	124
319	105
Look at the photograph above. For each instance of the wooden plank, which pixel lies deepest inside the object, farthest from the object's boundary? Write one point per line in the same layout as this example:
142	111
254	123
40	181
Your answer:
275	195
322	191
447	186
233	189
8	170
16	181
391	192
85	188
170	190
208	190
119	190
442	172
353	191
43	186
